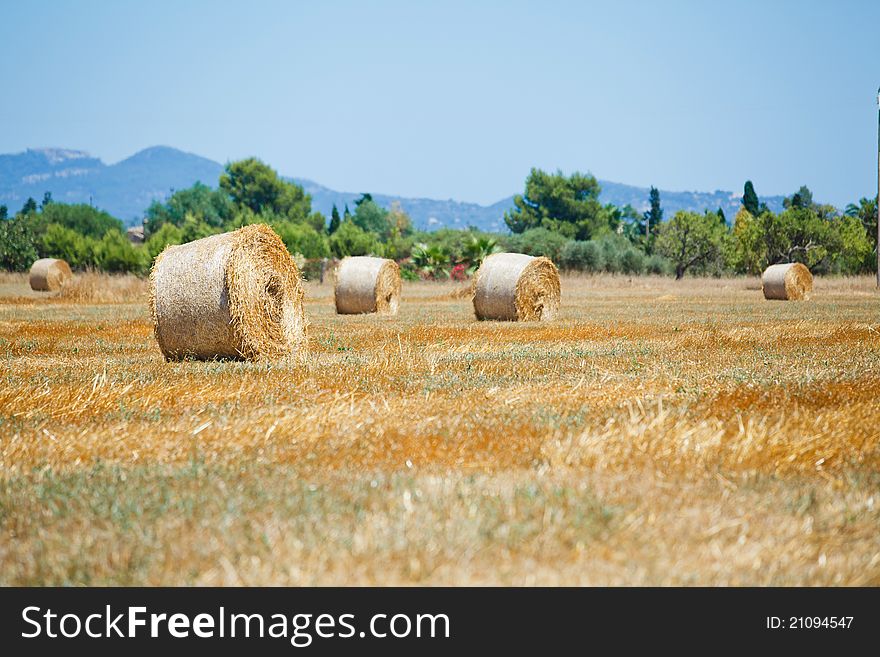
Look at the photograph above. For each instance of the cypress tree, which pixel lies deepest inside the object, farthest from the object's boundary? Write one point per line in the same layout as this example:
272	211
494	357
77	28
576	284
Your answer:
334	220
750	199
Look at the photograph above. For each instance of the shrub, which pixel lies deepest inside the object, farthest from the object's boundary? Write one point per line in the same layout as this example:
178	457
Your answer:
303	239
577	255
349	240
611	255
657	264
542	242
69	245
116	254
409	271
632	261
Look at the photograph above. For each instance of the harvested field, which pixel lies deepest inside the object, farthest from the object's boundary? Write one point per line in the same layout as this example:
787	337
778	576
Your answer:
657	432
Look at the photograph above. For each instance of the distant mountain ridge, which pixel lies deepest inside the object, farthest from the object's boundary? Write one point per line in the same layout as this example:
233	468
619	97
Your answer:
127	188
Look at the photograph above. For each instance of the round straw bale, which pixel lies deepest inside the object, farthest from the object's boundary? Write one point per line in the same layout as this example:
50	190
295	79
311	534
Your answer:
788	282
49	274
517	287
235	295
367	285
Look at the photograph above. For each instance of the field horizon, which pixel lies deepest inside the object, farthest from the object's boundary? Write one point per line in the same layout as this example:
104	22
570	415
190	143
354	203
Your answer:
659	432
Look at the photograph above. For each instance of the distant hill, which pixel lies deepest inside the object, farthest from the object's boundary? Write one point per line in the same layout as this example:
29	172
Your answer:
124	189
127	188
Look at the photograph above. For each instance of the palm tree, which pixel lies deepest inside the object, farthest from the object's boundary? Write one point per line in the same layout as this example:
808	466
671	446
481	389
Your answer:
477	249
431	261
866	211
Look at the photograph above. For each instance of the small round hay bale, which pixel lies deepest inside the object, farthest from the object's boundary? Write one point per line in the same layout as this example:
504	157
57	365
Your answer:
516	287
787	282
236	295
49	274
367	285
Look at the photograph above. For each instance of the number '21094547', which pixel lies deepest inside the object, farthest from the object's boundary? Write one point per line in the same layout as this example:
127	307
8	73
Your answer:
809	622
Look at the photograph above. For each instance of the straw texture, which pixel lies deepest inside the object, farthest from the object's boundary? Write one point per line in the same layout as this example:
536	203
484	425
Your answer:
49	274
236	295
367	285
516	287
787	282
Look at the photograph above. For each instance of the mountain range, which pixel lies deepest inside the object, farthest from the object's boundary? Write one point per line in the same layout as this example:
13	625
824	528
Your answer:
127	188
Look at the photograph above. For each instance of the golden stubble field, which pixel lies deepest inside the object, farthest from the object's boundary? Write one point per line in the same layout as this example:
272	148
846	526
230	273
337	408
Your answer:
657	433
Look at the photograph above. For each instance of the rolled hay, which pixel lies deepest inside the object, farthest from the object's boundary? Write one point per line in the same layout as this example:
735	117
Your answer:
787	282
49	274
516	287
367	285
236	295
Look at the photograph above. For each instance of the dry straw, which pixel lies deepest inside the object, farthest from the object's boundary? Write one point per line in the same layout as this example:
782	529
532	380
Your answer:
787	282
49	274
235	295
367	285
517	287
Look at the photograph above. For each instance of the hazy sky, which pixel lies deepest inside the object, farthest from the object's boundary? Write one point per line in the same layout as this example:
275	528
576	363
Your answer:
459	100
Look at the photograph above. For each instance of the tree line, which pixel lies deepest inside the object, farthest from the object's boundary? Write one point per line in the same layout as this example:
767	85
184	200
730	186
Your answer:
583	234
558	216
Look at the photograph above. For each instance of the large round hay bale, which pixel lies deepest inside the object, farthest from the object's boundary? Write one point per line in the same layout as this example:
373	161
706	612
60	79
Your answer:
788	282
49	274
235	295
367	285
516	287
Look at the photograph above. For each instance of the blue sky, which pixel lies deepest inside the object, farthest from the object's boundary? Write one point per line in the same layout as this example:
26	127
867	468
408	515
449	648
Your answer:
459	99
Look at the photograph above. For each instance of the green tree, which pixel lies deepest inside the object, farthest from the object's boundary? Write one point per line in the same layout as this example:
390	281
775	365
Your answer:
654	216
212	206
854	252
303	239
690	239
797	235
802	199
114	253
69	245
347	214
82	218
18	248
866	212
566	205
334	220
625	221
398	240
195	228
165	235
4	212
372	218
254	185
47	200
350	240
745	252
721	217
318	222
29	207
750	199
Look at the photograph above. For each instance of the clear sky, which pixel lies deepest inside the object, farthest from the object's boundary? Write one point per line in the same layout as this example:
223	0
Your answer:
459	99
